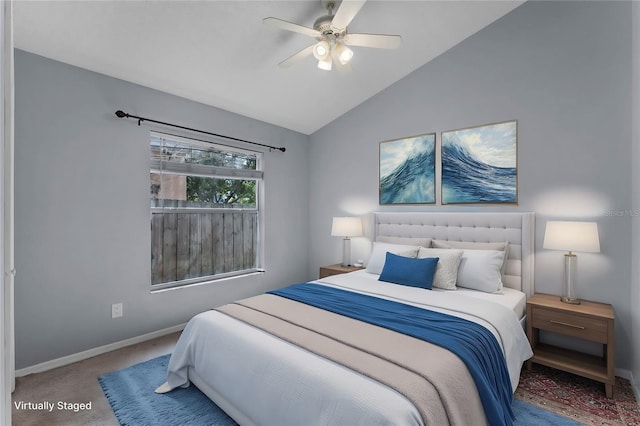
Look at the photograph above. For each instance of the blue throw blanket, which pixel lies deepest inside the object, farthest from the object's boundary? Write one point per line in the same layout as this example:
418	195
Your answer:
471	342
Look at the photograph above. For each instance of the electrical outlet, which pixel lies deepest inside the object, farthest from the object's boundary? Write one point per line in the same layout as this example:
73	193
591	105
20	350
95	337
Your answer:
116	310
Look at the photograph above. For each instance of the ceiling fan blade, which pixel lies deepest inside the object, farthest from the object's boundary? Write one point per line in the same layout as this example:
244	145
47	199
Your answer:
345	13
296	57
290	26
379	41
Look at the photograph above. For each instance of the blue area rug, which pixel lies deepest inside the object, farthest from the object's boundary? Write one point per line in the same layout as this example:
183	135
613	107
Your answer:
131	394
530	415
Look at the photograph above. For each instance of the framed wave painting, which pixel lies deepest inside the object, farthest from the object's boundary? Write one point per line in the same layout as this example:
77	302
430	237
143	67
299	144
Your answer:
407	170
479	164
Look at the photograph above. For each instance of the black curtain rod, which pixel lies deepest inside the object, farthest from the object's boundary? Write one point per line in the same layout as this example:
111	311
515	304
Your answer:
123	114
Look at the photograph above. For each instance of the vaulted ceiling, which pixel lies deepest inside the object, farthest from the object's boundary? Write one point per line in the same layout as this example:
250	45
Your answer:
220	53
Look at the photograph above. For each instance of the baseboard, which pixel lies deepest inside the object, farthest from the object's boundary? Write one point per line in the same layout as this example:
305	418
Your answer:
90	353
624	373
635	386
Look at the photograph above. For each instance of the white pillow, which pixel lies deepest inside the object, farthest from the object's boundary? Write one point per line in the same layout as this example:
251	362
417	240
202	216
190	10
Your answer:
379	254
467	245
480	270
447	269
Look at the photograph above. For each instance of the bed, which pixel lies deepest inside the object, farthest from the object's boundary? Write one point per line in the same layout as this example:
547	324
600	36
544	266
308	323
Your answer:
346	349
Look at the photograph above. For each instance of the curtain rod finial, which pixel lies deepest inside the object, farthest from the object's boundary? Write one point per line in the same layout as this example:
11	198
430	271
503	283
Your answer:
121	113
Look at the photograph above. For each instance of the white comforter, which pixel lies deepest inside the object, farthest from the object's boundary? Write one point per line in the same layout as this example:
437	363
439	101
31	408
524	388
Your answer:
260	379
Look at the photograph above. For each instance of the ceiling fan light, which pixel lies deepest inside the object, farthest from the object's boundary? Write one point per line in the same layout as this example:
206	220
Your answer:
344	53
321	50
325	64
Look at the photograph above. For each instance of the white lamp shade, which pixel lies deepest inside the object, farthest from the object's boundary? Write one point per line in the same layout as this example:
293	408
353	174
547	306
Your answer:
572	236
346	227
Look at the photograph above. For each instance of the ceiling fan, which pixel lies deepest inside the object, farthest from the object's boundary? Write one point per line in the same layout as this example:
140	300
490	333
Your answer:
332	36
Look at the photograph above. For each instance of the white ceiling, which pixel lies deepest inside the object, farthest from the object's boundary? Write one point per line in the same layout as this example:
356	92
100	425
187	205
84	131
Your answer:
220	53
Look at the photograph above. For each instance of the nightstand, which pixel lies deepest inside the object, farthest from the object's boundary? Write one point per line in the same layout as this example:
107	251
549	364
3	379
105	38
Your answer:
336	269
589	321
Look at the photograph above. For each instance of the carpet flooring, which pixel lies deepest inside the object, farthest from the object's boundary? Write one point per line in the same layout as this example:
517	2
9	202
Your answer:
78	382
130	393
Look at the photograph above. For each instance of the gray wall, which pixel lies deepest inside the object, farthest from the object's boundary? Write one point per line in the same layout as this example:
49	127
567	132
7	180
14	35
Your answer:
563	70
82	210
635	271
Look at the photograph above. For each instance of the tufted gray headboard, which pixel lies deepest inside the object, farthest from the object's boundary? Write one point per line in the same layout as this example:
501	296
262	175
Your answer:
516	228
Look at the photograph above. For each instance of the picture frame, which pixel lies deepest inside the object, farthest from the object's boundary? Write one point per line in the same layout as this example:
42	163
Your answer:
407	170
480	164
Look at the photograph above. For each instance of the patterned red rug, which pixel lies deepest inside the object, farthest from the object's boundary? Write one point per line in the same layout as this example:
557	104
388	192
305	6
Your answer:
580	399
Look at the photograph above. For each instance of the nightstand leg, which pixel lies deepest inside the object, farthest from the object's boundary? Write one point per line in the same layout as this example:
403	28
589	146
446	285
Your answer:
608	390
533	334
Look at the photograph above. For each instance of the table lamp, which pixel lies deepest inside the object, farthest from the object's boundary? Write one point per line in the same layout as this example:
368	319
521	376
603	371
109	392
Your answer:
571	236
346	227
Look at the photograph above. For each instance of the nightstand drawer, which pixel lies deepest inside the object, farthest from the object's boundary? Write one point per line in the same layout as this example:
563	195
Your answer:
593	329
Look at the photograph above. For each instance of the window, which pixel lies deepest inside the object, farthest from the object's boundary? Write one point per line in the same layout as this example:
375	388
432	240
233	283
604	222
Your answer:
205	204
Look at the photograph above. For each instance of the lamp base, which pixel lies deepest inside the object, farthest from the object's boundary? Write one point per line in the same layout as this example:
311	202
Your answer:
569	292
346	252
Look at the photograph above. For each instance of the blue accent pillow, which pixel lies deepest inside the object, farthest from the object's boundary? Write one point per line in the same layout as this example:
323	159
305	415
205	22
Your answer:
409	271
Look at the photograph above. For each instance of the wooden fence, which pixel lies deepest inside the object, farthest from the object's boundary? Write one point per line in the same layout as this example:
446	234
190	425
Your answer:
193	245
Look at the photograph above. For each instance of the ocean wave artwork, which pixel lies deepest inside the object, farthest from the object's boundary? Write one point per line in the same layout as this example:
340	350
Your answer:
479	164
407	170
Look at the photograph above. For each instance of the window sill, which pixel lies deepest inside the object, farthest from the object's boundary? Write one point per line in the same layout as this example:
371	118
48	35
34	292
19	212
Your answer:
161	288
